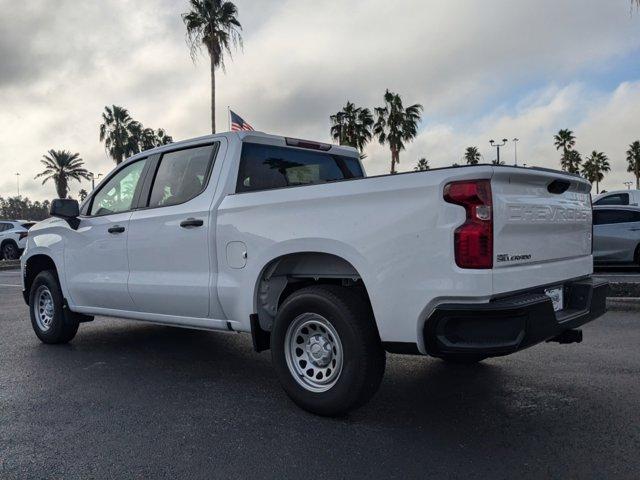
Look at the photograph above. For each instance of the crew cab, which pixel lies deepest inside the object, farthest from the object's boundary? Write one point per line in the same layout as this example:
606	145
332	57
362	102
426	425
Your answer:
288	240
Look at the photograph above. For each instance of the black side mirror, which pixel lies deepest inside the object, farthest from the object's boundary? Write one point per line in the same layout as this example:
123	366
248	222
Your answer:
67	209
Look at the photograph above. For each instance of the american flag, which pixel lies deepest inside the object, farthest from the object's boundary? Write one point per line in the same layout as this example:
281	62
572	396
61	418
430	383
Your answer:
238	124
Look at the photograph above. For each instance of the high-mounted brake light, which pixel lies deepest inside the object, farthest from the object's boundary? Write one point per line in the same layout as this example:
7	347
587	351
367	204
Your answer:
473	240
296	142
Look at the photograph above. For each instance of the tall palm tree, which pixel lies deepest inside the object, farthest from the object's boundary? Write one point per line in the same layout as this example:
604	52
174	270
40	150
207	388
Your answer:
214	24
115	132
422	165
352	126
472	155
571	161
594	168
62	166
633	158
396	125
565	140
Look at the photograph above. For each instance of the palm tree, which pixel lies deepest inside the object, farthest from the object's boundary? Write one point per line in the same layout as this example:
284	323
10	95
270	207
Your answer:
162	137
472	155
422	165
565	140
571	161
82	194
352	126
214	24
396	125
115	132
62	166
595	167
633	157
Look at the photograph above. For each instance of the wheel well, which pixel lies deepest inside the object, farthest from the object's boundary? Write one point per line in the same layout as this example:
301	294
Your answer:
289	273
35	265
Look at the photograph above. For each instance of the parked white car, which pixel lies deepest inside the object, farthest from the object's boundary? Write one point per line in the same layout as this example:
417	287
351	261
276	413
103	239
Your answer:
286	239
618	197
13	238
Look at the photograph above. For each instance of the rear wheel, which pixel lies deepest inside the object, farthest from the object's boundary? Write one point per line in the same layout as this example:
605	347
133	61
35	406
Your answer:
326	350
49	320
10	251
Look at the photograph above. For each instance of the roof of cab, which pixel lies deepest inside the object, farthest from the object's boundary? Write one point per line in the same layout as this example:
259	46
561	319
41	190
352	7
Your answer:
249	136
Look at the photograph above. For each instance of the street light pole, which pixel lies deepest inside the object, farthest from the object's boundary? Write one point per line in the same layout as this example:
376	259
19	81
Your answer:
18	182
515	146
628	184
498	145
93	179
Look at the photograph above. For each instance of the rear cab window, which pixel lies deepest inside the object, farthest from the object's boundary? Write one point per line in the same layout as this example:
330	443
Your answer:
264	167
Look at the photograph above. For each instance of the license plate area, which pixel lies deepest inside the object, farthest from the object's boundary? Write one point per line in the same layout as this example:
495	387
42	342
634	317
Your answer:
556	294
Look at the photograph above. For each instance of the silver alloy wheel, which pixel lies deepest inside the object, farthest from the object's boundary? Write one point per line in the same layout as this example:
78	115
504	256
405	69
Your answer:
44	308
313	351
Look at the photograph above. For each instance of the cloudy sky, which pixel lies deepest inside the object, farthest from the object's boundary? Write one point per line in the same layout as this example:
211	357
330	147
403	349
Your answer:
482	69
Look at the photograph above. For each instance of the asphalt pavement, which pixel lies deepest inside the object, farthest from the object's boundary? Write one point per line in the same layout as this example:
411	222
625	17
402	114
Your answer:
131	400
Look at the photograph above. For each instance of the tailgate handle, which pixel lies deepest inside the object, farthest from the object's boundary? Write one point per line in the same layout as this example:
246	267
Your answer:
558	186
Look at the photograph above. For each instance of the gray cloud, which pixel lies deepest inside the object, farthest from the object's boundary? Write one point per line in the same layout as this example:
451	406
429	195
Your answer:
62	61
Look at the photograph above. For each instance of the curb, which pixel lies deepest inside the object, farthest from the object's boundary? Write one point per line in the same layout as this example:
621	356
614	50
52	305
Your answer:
623	304
9	265
624	289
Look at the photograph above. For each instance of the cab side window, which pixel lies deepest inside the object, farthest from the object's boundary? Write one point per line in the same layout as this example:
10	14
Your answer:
607	217
117	195
181	176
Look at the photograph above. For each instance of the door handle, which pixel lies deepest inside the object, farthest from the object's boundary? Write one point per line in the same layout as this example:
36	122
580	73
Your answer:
116	229
191	222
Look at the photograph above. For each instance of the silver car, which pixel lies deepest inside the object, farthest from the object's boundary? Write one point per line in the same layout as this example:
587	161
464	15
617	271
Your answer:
616	234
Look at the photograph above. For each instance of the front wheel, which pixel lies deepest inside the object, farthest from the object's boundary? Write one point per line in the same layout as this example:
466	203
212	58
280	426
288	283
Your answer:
326	350
49	320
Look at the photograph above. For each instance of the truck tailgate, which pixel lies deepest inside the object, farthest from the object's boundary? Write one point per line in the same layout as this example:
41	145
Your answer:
540	218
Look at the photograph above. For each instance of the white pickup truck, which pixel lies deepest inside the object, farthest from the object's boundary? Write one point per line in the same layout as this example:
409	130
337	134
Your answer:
287	239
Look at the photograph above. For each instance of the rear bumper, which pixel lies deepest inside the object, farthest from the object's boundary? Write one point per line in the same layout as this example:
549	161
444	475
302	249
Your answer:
509	324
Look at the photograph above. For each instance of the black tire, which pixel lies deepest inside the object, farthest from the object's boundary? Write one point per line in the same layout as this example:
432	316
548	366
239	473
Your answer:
10	251
61	324
462	359
363	358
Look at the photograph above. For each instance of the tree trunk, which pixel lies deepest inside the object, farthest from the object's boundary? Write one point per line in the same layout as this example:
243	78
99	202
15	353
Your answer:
61	188
213	96
393	161
597	187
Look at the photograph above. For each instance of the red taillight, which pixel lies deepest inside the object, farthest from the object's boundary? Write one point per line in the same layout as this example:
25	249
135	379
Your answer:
473	240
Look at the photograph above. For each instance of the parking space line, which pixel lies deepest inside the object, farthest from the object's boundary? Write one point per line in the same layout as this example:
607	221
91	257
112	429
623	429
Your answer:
7	285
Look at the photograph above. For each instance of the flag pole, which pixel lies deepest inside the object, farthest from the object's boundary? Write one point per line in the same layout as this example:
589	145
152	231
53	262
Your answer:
229	118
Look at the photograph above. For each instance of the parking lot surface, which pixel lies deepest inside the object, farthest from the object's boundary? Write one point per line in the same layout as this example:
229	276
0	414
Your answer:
132	400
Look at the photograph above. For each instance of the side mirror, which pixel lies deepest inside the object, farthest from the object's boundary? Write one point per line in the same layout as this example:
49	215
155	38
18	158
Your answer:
65	208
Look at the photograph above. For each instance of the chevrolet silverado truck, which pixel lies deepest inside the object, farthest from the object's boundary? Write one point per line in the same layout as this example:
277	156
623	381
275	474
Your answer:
288	240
